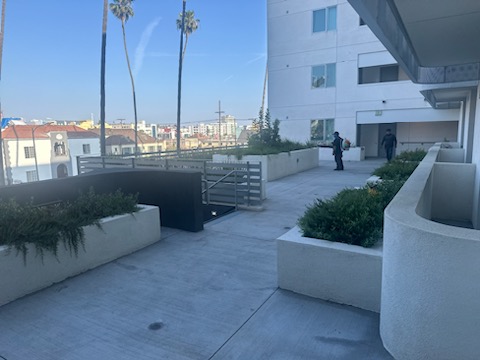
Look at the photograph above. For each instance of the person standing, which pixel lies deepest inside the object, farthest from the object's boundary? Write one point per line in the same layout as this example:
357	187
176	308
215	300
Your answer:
389	141
338	150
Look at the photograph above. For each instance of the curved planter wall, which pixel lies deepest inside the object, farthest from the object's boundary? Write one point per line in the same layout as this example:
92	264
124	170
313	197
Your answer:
431	274
119	236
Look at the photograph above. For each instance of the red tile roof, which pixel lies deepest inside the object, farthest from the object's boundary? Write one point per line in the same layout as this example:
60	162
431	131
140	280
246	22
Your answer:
42	131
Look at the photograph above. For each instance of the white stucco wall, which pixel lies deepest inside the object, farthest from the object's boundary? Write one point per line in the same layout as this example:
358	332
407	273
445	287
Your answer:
293	49
76	149
431	277
17	164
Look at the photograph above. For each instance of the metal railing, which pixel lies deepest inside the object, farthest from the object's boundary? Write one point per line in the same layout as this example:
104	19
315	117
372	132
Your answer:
237	184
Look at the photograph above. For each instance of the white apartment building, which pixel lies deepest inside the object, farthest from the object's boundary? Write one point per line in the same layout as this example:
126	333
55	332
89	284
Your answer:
328	72
41	152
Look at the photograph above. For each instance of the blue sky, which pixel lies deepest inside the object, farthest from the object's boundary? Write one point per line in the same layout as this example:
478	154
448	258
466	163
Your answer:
51	60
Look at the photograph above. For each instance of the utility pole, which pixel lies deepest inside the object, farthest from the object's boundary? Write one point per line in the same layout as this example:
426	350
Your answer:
219	112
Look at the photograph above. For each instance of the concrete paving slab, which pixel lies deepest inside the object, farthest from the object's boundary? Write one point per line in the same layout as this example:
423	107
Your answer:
309	329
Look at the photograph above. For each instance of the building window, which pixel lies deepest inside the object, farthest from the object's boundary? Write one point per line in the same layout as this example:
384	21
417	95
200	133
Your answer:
127	151
32	176
29	152
59	149
323	76
383	73
321	131
325	19
86	148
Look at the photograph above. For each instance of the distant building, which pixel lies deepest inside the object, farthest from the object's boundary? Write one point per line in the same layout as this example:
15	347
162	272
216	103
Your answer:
41	152
122	141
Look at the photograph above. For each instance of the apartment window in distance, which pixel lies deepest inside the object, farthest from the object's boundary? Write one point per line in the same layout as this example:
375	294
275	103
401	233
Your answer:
29	152
32	176
86	148
323	76
383	73
325	19
321	131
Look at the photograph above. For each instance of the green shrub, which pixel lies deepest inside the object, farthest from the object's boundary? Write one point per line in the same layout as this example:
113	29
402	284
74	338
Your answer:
411	155
48	226
353	216
396	170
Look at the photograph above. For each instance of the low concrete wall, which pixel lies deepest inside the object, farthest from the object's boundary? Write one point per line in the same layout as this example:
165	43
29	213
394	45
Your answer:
457	203
276	166
342	273
451	155
352	154
431	276
119	236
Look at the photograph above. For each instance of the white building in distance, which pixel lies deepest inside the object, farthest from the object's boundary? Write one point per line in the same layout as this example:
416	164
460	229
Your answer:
41	152
328	72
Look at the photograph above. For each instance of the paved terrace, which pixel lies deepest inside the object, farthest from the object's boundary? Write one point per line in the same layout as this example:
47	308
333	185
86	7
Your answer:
206	295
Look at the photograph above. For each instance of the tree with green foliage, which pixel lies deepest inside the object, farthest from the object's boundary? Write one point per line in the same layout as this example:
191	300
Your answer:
190	25
122	10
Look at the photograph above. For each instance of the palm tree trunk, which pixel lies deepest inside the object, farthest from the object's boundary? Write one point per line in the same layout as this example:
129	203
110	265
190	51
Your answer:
2	32
133	87
180	64
184	47
102	79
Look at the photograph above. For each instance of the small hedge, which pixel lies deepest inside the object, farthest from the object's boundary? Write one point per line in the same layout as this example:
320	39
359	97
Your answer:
396	170
353	216
48	226
402	166
411	155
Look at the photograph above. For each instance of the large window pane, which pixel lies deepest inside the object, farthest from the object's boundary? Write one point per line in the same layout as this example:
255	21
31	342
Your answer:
331	76
319	20
332	18
316	130
318	76
321	131
329	129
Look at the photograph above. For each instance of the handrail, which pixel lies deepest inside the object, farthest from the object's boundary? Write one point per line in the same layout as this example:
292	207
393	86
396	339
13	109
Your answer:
219	181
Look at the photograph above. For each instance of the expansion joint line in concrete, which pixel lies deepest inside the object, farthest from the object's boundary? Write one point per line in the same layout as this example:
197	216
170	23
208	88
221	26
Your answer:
244	323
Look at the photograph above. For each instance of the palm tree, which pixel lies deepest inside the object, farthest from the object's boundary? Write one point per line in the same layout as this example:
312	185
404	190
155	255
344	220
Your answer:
102	79
190	26
187	24
122	9
2	33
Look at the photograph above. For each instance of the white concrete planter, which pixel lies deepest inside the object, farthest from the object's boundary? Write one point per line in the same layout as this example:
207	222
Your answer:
342	273
352	154
119	236
276	166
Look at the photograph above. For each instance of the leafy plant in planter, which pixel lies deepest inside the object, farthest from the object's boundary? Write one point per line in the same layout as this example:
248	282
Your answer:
47	226
353	216
411	155
402	166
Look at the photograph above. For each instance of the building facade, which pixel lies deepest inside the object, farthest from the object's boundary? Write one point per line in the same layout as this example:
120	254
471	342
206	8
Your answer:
42	152
328	72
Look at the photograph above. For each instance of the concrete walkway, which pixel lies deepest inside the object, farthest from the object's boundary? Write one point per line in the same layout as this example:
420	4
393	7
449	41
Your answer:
206	295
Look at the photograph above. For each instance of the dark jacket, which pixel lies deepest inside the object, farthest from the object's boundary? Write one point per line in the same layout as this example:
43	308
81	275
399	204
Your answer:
389	140
337	145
